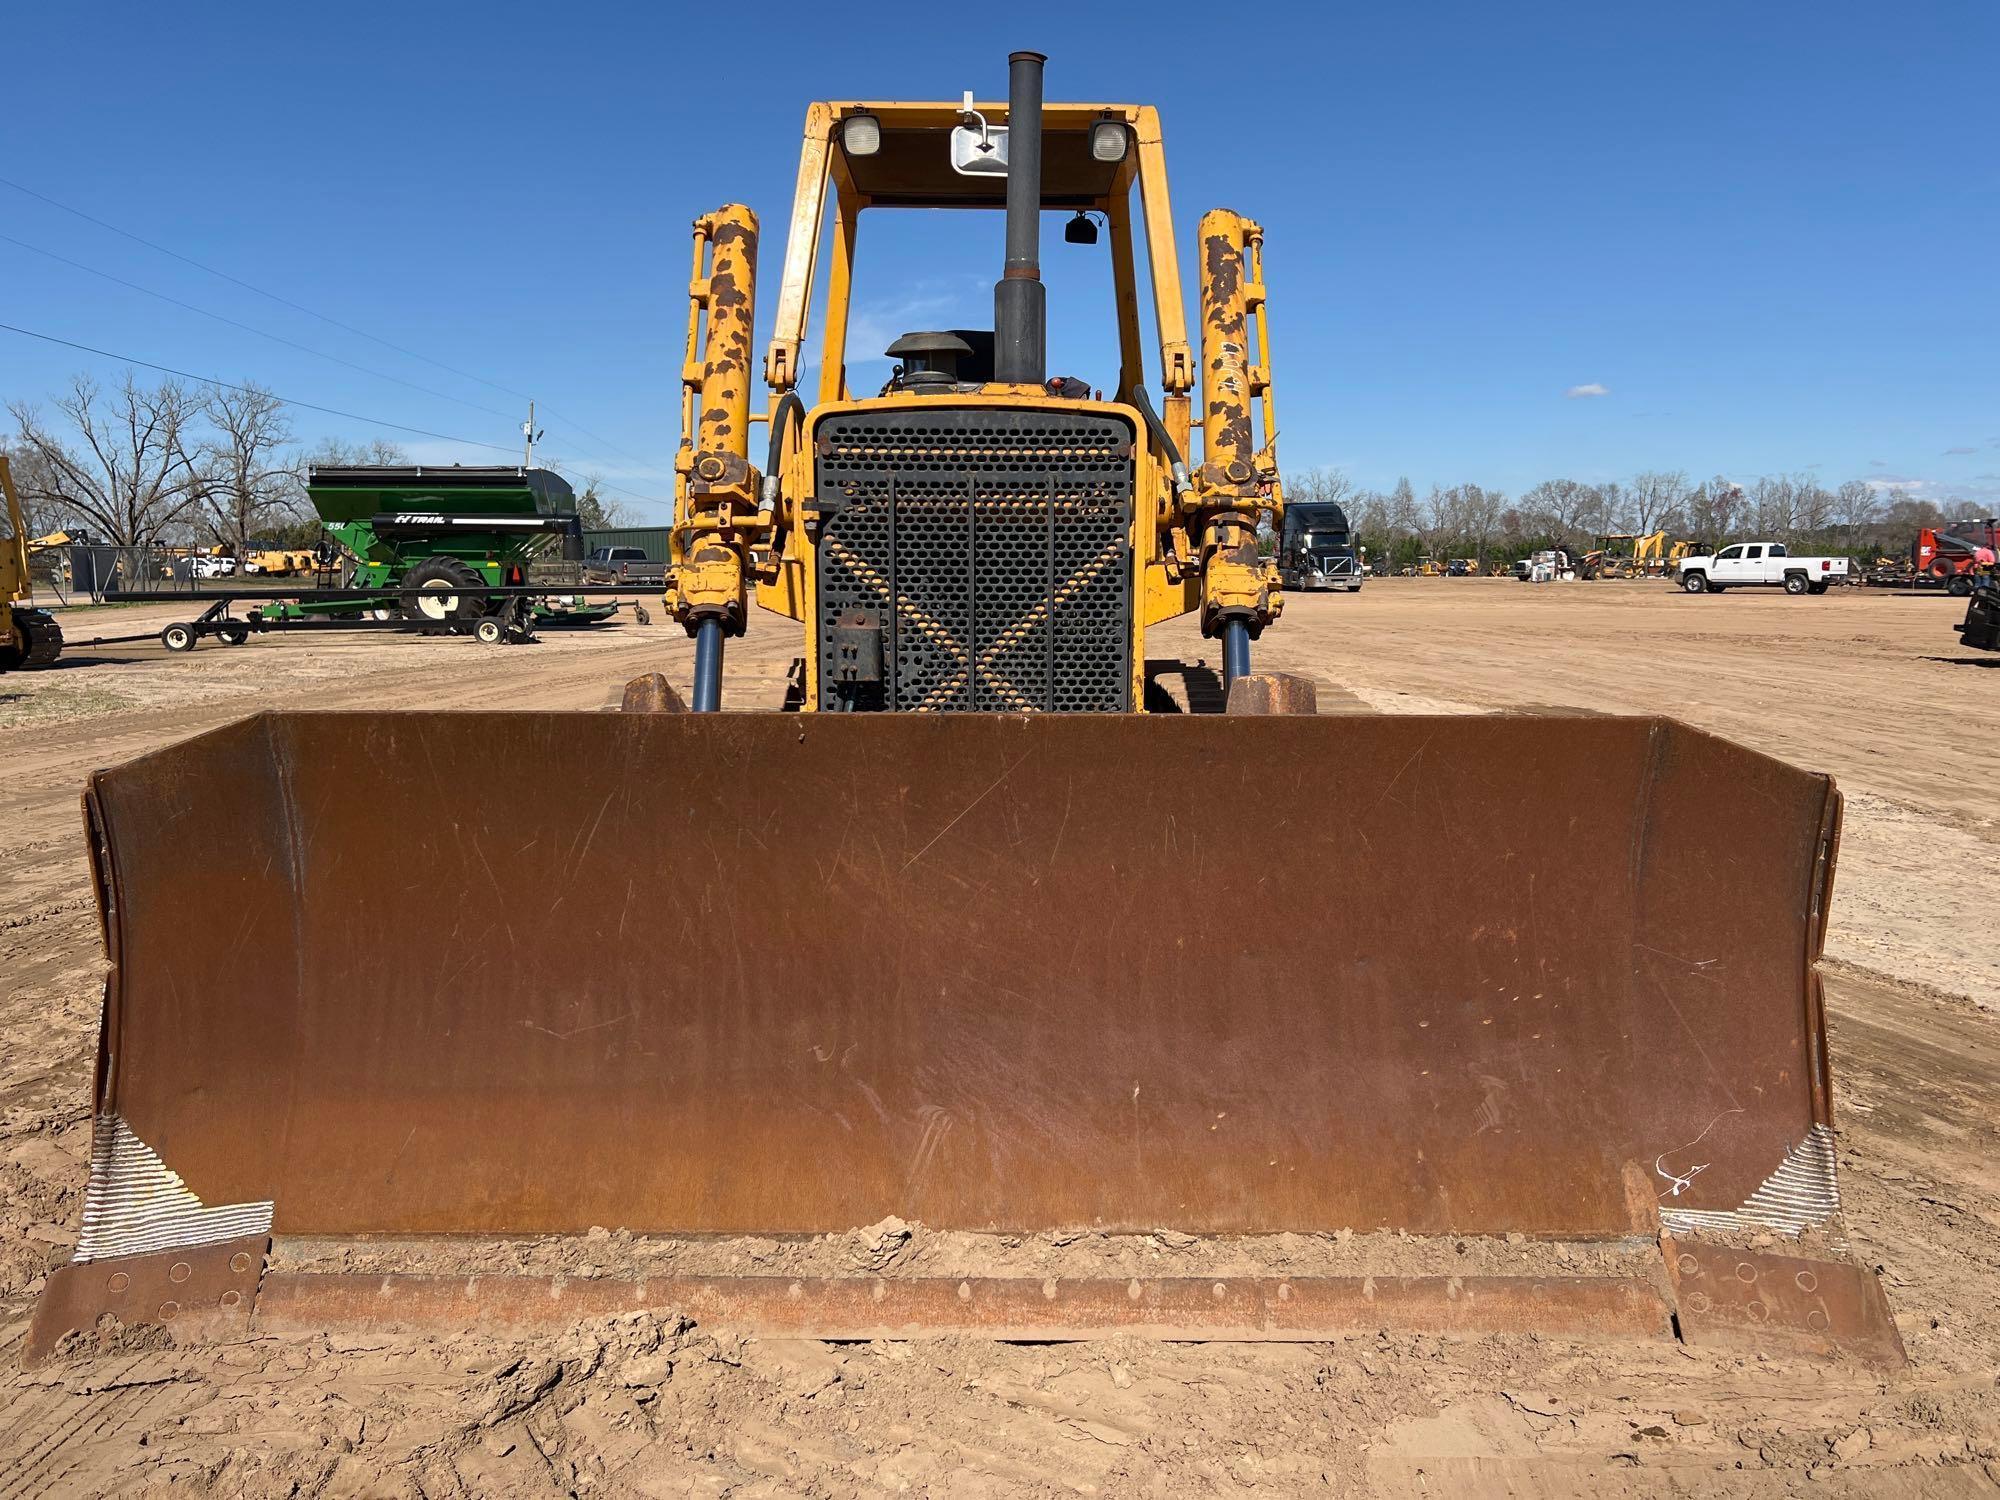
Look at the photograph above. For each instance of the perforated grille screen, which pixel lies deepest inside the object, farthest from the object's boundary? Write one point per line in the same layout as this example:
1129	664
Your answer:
992	551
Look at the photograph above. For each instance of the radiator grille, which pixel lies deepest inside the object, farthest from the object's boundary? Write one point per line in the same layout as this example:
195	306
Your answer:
991	549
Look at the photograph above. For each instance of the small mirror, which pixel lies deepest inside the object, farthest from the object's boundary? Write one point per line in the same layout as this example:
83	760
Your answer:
979	154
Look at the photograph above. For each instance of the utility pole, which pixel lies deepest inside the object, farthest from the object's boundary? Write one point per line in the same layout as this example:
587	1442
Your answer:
528	436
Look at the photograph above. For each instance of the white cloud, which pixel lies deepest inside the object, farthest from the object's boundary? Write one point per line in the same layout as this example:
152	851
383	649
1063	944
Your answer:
1898	484
936	302
1577	392
1954	452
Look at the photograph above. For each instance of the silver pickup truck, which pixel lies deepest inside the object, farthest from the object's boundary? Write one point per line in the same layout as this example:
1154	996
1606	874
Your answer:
1760	565
622	565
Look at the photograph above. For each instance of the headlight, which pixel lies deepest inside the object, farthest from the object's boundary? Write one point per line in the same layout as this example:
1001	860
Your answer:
861	135
1108	139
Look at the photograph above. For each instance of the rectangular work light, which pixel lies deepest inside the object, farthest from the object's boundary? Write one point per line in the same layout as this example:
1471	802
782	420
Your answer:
861	135
1108	139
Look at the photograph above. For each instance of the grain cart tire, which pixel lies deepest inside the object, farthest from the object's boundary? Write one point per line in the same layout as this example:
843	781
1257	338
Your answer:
178	637
1695	583
428	596
1795	583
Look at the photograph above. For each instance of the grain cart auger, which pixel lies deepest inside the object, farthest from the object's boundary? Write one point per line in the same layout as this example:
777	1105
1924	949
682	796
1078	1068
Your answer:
400	1005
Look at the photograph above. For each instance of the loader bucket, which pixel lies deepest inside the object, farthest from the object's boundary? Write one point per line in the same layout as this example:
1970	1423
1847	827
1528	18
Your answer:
504	975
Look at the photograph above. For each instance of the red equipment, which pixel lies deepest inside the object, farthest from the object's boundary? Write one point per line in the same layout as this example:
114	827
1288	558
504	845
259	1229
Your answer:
1952	556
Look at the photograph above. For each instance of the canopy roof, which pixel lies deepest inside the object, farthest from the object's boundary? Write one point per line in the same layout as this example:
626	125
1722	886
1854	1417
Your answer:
913	169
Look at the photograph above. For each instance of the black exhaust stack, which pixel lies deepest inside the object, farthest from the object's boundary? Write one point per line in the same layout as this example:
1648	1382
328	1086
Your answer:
1020	308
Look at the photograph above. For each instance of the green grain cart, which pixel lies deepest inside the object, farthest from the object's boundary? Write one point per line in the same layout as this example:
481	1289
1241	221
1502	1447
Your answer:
437	534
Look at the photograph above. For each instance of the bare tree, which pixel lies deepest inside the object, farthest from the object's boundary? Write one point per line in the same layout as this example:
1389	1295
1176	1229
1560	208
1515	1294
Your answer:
599	512
1655	499
1463	519
1610	512
32	483
1440	519
1857	508
1716	510
132	475
1562	508
333	453
1368	515
1903	516
1405	520
1813	507
1319	486
1730	509
291	513
1790	505
246	482
1482	518
1771	500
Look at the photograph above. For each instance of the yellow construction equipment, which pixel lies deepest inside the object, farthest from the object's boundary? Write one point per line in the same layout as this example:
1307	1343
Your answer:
29	637
1682	550
278	562
976	937
1614	556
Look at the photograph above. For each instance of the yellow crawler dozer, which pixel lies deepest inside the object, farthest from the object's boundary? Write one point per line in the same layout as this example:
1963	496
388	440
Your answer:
29	637
981	935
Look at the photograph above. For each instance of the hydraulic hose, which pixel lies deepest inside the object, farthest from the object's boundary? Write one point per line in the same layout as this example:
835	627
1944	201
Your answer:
789	406
1177	465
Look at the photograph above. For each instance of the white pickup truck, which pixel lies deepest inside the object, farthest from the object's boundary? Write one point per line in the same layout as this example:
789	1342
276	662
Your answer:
1762	565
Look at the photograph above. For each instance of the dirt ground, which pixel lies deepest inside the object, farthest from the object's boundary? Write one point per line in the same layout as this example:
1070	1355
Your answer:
1868	686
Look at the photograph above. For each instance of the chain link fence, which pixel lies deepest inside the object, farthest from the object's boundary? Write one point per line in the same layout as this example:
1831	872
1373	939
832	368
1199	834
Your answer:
87	572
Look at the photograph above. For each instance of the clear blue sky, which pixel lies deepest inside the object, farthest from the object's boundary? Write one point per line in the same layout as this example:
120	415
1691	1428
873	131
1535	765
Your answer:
1770	232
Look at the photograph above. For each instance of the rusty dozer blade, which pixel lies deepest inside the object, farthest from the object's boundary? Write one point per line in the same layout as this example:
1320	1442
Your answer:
458	974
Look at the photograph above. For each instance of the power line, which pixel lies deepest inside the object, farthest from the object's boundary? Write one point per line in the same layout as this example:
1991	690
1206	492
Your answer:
250	328
331	411
573	473
309	312
260	332
189	260
225	385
